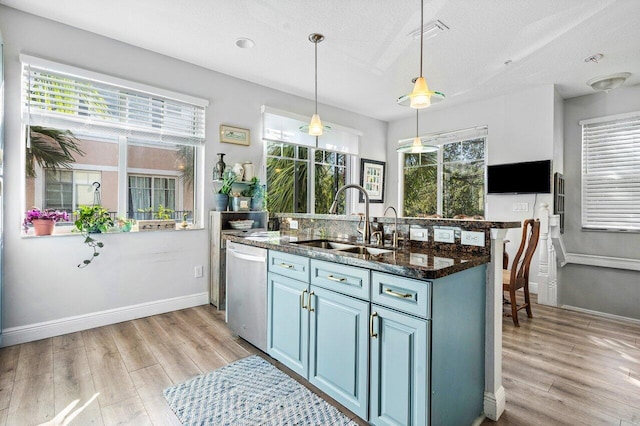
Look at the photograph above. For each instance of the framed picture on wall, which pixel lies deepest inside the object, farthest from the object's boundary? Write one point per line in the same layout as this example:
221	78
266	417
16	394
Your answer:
236	135
372	180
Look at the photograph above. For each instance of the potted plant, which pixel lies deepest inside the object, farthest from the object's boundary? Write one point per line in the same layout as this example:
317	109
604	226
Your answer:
257	194
162	219
222	197
92	220
43	221
124	224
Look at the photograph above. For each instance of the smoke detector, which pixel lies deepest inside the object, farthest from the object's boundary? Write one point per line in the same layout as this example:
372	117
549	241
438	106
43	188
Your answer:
608	82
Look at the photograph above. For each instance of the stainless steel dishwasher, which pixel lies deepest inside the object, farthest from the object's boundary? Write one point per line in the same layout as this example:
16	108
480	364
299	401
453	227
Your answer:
246	312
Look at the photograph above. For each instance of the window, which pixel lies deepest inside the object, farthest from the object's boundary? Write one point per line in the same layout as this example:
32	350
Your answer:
449	181
288	178
303	172
140	143
148	194
610	164
69	189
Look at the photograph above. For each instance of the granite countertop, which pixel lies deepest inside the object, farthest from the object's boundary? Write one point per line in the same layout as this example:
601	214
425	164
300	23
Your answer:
412	262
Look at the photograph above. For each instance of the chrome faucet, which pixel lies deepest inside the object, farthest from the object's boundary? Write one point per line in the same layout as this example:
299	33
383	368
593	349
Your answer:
366	231
395	228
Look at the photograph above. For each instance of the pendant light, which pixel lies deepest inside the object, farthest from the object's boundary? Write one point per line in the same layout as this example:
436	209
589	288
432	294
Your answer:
421	96
416	146
315	126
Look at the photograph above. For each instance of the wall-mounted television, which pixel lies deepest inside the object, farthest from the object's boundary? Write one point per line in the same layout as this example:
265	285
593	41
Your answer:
531	177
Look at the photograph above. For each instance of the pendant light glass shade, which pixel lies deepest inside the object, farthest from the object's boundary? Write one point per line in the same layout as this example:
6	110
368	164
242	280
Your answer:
415	145
421	97
315	126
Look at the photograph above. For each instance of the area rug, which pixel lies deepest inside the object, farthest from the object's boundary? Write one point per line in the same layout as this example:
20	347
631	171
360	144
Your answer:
248	392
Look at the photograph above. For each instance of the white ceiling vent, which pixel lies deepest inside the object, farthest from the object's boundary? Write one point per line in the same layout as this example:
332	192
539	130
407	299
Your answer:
430	29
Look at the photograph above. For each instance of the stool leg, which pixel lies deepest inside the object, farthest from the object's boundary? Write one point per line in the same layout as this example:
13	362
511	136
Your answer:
514	307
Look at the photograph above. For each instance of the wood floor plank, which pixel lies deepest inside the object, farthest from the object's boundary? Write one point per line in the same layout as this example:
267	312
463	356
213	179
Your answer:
111	377
610	407
150	382
3	416
128	411
204	356
34	365
151	331
99	340
68	341
9	357
73	381
175	362
31	401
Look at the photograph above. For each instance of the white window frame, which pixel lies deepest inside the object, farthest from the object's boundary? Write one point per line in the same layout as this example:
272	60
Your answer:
439	140
136	112
610	181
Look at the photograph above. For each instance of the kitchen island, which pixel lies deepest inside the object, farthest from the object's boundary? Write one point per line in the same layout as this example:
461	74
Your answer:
397	336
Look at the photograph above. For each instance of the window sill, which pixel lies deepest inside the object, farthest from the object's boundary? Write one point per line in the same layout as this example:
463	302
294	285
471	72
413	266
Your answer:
65	231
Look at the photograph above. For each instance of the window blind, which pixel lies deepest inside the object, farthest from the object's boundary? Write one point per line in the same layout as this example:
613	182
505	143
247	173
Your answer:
611	172
64	97
284	126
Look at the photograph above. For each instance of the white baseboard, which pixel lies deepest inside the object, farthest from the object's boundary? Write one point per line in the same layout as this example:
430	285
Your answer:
28	333
600	314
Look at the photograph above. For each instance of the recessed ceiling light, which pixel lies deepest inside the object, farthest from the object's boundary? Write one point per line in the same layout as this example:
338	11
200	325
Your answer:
245	43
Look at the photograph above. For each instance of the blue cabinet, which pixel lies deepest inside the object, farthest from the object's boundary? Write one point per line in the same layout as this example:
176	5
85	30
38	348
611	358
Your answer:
399	368
338	347
288	322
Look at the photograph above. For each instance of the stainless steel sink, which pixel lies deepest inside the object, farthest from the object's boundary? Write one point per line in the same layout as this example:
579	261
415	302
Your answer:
366	250
325	244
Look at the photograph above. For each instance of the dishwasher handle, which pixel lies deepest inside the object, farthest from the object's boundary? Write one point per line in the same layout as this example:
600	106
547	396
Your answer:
248	257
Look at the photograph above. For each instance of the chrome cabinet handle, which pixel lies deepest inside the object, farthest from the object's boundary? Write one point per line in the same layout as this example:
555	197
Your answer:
286	265
371	333
302	305
309	304
399	295
337	279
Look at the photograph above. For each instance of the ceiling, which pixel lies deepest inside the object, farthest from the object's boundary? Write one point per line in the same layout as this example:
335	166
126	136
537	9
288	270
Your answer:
368	57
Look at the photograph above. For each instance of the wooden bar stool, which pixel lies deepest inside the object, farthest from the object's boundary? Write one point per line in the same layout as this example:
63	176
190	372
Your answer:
518	276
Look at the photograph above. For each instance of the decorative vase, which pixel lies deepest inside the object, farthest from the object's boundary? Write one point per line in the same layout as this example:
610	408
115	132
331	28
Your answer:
257	203
43	226
222	201
248	170
240	204
239	171
218	169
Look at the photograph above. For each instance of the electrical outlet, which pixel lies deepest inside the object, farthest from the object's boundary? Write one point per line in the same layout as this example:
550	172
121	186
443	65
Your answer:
443	235
418	234
520	207
470	238
418	259
293	224
197	271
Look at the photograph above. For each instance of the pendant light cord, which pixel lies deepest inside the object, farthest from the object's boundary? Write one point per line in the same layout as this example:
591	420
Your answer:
316	70
417	123
421	32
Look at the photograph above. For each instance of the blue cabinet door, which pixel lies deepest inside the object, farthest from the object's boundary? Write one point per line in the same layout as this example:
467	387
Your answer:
338	348
288	322
399	369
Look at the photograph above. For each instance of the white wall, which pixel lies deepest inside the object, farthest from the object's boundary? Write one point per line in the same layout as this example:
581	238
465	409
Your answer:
521	126
609	290
43	288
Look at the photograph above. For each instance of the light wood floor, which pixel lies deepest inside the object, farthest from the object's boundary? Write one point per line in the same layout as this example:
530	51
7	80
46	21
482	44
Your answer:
560	367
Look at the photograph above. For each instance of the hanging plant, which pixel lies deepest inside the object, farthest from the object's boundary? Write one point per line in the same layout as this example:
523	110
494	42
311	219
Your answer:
92	220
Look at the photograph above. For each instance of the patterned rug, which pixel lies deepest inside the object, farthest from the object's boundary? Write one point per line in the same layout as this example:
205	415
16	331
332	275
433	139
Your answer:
247	392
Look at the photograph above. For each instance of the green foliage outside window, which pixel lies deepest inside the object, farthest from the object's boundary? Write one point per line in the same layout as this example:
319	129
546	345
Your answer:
462	180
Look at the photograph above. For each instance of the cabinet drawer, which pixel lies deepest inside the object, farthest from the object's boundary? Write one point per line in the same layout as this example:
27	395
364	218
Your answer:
289	265
404	294
345	279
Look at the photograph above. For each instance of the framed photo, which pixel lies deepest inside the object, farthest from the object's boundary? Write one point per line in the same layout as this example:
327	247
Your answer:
236	135
372	180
